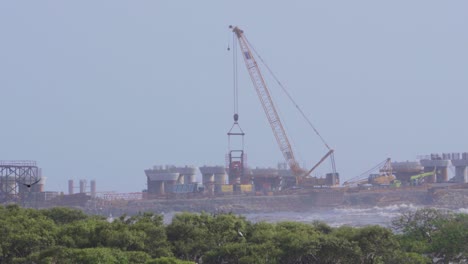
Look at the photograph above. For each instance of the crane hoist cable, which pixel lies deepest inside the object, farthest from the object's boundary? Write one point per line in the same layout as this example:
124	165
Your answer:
270	110
289	96
331	151
267	103
235	79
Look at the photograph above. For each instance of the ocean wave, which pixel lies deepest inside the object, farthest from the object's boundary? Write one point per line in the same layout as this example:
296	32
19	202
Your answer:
462	210
392	208
335	217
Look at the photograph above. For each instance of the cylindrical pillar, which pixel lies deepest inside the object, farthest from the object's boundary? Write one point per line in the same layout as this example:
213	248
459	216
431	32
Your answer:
432	178
93	188
82	186
443	175
70	187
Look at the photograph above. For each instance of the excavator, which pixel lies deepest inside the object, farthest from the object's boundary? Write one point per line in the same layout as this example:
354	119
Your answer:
419	178
301	175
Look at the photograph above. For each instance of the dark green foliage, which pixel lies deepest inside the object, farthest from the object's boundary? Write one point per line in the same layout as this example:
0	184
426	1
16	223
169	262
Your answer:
63	215
322	227
349	252
23	232
167	260
83	234
151	231
67	236
422	223
191	235
434	233
450	241
377	244
297	242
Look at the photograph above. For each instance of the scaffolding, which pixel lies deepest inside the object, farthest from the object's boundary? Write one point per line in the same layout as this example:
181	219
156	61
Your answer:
16	178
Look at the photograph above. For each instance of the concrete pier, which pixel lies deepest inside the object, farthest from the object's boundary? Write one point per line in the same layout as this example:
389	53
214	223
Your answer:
461	165
405	169
213	177
187	174
160	183
162	178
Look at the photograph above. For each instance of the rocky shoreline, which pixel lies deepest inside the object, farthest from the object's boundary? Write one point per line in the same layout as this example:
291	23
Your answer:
242	204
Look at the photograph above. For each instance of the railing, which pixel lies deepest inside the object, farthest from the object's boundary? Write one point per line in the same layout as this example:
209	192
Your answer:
25	163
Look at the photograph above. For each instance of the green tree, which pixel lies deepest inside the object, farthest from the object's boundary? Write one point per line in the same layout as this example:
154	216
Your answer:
322	227
23	232
297	242
189	235
137	257
192	235
436	233
262	236
63	215
376	244
150	228
400	257
336	250
450	241
98	255
119	235
422	223
83	234
168	260
254	245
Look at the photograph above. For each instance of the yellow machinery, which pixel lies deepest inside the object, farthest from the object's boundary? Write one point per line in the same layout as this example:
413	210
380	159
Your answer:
384	177
418	178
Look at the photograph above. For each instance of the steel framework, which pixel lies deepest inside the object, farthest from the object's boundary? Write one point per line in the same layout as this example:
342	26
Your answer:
16	177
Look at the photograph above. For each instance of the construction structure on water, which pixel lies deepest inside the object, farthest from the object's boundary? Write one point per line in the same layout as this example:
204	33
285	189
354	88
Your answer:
216	180
22	180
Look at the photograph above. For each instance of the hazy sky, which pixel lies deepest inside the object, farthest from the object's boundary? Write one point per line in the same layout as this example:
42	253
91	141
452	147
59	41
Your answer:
105	89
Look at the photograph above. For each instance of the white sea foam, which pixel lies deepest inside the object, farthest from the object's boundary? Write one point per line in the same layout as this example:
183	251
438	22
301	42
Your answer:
462	210
339	216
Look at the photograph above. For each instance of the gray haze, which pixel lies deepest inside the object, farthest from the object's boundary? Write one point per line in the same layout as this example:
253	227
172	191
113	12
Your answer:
104	89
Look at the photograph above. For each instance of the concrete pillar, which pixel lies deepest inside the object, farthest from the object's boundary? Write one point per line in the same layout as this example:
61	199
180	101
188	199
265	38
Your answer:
71	187
83	184
208	182
160	179
213	177
461	174
187	173
443	175
160	187
461	171
93	188
156	187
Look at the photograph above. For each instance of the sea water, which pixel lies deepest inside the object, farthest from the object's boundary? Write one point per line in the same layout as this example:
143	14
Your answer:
336	217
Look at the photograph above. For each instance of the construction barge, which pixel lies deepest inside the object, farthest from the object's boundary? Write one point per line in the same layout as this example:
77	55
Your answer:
237	187
427	181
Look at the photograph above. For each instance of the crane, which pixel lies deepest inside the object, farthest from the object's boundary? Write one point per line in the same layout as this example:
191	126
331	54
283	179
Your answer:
385	175
271	113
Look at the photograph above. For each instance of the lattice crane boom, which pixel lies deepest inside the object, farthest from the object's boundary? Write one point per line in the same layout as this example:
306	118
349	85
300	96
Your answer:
267	103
